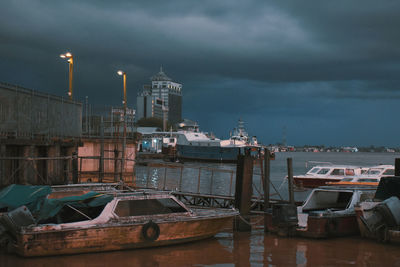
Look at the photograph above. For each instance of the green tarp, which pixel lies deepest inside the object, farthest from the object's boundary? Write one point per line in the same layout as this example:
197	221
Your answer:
51	207
14	196
42	208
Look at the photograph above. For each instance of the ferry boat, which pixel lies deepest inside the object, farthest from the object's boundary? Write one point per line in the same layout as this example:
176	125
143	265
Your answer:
106	221
328	173
327	212
201	147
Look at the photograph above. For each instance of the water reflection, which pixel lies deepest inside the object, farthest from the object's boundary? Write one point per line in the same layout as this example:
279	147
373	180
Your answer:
235	249
201	253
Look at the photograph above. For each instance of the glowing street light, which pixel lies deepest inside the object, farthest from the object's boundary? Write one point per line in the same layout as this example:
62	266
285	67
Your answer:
70	58
123	74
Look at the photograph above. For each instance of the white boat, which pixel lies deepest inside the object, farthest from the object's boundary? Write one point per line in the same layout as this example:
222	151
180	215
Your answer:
369	176
325	173
327	212
199	146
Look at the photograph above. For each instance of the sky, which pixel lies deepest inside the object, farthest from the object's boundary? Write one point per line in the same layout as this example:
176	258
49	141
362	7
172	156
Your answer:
313	72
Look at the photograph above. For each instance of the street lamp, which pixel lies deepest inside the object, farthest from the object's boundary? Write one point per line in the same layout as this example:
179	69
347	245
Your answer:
123	74
70	59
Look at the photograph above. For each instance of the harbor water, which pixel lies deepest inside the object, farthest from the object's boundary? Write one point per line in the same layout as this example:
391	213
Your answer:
253	248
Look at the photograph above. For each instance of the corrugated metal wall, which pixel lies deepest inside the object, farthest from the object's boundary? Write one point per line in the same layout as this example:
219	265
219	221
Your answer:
26	113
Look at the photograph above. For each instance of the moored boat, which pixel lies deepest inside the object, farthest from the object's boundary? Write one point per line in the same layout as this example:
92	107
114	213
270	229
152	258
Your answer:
100	221
327	212
323	174
200	147
379	217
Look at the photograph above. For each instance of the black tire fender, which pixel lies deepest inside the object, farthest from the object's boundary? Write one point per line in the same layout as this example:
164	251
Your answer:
151	231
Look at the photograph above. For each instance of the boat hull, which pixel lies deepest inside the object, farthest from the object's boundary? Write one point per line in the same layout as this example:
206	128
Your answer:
115	237
208	153
317	227
312	182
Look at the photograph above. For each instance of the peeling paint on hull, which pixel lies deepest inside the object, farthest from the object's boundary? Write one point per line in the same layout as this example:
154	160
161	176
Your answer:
114	237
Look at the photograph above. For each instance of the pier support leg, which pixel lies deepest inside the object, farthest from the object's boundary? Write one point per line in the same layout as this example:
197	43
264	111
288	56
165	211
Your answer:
243	192
397	167
116	165
75	177
27	174
290	180
2	165
54	170
266	186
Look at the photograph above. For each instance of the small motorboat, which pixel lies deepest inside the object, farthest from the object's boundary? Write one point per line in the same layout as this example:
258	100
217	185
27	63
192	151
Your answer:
325	173
327	212
105	221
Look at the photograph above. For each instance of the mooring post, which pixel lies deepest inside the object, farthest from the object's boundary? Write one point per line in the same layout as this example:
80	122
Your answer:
101	159
243	192
397	167
290	180
266	186
116	155
75	167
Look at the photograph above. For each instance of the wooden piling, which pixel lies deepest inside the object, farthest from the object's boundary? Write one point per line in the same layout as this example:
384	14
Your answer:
243	192
290	180
397	167
101	159
266	185
116	155
75	167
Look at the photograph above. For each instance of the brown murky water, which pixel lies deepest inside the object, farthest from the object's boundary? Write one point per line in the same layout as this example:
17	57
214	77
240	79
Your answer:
235	249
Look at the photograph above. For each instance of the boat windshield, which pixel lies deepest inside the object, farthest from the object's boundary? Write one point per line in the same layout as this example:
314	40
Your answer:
314	170
389	172
324	171
320	200
140	207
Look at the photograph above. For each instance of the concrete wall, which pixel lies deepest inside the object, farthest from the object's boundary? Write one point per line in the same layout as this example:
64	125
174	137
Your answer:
26	113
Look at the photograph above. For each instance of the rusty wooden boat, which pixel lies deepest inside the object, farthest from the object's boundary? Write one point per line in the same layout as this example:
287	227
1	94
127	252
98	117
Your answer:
327	212
95	222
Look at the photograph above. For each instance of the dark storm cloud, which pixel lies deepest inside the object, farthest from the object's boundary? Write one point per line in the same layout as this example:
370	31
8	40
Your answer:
257	59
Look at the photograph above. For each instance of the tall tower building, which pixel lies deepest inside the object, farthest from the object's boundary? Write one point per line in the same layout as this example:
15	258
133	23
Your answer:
162	98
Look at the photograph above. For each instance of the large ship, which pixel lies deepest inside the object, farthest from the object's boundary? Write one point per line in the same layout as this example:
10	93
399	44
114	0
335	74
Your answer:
199	146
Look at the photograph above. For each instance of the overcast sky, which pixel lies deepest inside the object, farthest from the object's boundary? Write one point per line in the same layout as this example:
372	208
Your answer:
326	71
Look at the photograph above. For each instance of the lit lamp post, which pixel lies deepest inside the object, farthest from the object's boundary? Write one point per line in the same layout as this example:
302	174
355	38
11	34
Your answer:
70	58
123	74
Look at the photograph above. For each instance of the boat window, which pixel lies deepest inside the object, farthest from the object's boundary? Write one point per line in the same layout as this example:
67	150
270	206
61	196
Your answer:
324	171
349	171
374	172
389	172
347	179
337	172
314	170
141	207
